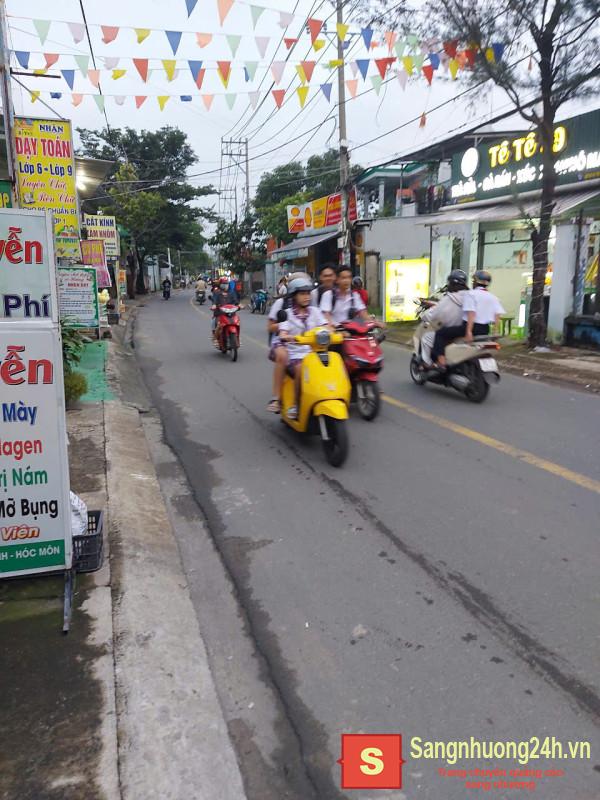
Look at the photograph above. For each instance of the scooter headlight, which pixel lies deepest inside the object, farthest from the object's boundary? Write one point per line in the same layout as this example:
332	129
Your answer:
323	338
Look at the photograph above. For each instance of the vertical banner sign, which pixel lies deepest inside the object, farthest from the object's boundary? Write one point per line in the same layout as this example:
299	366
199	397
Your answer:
78	297
104	227
34	470
405	281
46	175
27	285
92	255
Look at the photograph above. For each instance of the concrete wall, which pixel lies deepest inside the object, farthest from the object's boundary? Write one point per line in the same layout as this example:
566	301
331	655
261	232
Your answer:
397	237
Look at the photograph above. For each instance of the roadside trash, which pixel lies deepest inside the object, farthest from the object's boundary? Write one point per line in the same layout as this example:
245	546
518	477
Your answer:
79	515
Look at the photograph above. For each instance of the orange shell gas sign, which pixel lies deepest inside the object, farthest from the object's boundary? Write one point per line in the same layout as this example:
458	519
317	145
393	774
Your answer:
320	213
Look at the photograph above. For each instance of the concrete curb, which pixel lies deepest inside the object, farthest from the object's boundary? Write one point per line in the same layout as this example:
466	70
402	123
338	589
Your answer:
173	739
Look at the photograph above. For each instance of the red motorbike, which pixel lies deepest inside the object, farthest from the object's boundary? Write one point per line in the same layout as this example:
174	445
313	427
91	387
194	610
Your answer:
227	332
363	358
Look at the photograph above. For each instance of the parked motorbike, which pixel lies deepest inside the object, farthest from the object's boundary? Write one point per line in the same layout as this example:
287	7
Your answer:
227	332
200	296
363	358
470	366
324	395
258	301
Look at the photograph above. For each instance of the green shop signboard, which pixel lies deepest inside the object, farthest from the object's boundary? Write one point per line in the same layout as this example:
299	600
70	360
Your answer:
511	166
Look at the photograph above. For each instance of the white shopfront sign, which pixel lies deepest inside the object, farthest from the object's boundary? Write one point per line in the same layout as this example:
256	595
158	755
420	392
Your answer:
35	530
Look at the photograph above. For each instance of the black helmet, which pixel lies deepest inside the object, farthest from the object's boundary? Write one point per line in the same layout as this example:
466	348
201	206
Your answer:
457	280
482	278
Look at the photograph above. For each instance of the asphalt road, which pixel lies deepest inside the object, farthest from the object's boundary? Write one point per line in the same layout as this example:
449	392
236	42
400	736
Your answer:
443	584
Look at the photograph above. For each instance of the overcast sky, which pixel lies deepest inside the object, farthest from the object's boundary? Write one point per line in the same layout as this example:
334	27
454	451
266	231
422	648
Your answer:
269	130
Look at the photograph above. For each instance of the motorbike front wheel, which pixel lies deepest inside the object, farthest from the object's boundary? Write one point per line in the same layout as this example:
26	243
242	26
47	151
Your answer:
336	446
367	399
415	373
233	347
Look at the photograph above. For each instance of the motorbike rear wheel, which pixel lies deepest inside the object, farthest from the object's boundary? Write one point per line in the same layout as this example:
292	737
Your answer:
368	399
263	309
478	388
233	347
415	373
336	446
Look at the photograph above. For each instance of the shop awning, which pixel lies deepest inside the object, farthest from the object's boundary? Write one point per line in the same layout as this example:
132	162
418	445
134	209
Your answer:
299	247
563	204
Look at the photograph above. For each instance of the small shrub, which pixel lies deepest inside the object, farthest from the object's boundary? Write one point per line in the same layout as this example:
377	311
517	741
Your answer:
75	386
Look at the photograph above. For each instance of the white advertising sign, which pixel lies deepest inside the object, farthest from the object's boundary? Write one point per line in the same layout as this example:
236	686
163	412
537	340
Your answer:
34	471
78	296
27	283
103	226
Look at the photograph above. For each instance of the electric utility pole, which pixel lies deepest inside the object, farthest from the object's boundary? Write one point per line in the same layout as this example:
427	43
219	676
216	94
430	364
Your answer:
7	105
234	156
344	160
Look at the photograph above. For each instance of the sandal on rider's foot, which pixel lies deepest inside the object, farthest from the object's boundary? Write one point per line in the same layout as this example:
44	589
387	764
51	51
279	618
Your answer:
274	406
292	413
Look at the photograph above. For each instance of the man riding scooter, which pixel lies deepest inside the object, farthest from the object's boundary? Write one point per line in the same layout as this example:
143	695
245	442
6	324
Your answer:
446	313
222	297
480	310
301	317
201	290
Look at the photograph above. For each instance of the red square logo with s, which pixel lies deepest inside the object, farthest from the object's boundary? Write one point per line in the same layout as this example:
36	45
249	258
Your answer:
371	761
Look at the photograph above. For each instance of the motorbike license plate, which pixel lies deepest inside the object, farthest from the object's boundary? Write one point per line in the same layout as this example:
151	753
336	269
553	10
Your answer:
488	365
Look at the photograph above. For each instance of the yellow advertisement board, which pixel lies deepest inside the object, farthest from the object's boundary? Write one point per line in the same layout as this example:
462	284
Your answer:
46	175
406	280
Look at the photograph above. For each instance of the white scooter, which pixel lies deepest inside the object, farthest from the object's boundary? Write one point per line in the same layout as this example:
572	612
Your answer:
470	368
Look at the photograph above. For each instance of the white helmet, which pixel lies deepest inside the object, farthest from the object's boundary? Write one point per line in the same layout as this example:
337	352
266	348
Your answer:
299	285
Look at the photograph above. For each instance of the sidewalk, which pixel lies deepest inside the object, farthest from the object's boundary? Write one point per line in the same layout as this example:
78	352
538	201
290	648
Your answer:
565	365
124	707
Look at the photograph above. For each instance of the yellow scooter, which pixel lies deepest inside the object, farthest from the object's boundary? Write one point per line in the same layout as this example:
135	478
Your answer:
324	394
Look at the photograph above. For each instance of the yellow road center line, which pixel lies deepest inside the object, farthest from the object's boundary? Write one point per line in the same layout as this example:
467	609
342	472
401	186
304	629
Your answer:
481	438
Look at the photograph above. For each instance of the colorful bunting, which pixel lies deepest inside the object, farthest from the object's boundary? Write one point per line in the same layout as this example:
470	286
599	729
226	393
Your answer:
196	69
77	31
76	99
51	59
402	79
354	69
363	66
418	60
142	34
42	27
453	65
326	89
203	39
451	47
234	43
309	68
470	55
285	19
39	71
174	38
141	64
190	5
400	48
69	76
301	73
262	43
390	39
83	63
207	99
224	7
169	66
256	12
289	43
342	31
22	57
185	98
377	82
498	49
319	44
162	100
56	95
277	69
314	26
94	77
335	63
111	62
109	33
34	94
118	73
250	67
352	87
224	72
383	64
428	72
230	100
412	40
99	99
434	60
408	64
423	120
253	97
140	99
367	35
278	96
302	94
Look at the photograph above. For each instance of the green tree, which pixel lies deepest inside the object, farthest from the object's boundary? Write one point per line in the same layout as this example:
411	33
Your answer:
279	183
240	244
